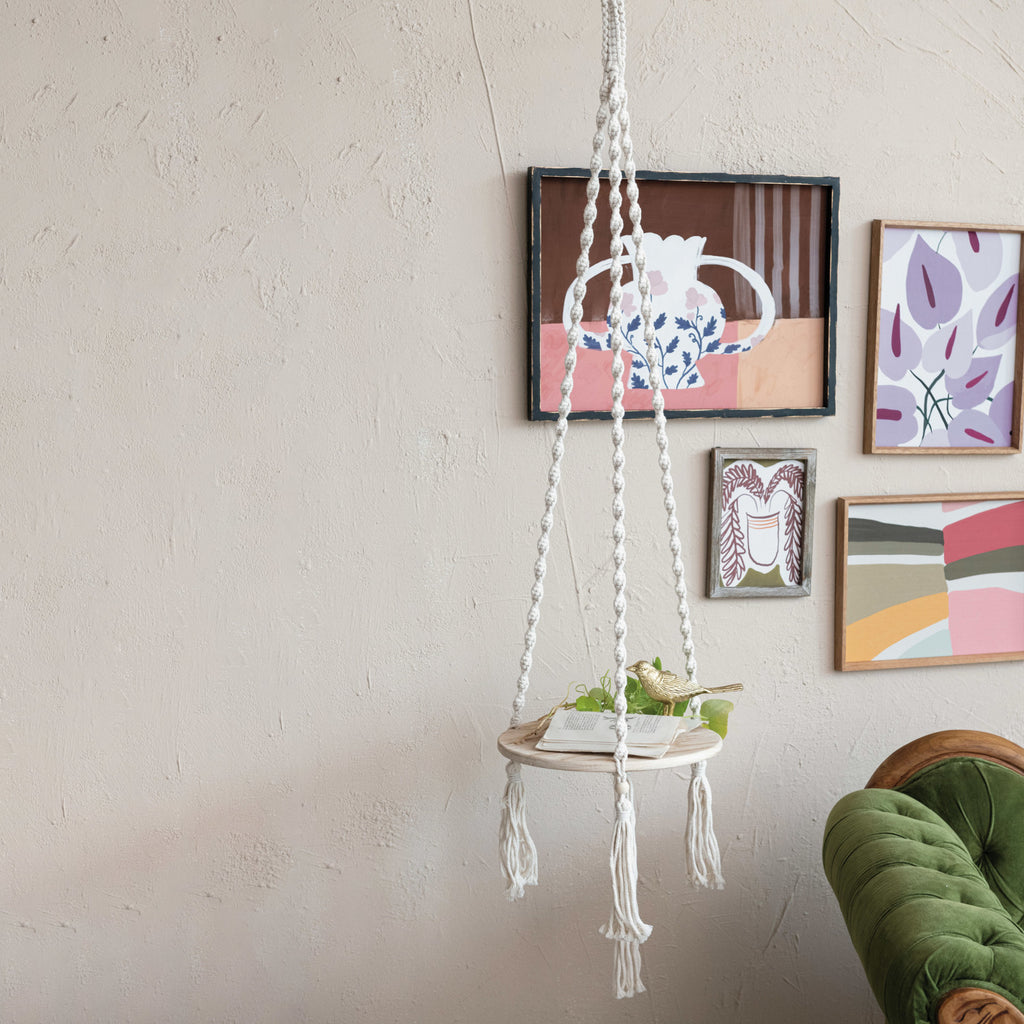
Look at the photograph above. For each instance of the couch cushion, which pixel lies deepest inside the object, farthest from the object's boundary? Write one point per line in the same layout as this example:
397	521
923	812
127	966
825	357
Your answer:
984	805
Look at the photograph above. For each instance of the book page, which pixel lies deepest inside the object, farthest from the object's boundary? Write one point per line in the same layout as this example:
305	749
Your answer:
600	726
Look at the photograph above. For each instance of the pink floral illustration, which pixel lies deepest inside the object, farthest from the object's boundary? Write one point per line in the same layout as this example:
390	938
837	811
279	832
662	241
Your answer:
695	299
659	286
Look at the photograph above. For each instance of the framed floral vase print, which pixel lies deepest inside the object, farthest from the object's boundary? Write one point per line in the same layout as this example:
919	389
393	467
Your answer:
743	293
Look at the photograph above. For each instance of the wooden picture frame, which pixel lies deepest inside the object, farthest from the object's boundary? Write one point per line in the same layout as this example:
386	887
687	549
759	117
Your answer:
945	339
743	289
929	579
761	522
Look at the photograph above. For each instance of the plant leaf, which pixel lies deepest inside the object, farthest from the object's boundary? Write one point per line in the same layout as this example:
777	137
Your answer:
934	287
716	714
997	321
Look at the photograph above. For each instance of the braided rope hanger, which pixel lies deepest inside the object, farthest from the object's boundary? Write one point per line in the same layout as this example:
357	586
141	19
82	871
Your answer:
518	853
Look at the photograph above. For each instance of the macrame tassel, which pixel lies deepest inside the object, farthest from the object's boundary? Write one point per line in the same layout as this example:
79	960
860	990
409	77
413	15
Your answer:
625	926
517	853
703	861
627	969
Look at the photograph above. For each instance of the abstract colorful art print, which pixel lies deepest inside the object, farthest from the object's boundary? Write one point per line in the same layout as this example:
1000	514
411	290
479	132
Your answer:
742	286
929	580
762	513
944	348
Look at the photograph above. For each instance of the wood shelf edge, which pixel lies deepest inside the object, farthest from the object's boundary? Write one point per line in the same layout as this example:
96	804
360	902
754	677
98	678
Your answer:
687	748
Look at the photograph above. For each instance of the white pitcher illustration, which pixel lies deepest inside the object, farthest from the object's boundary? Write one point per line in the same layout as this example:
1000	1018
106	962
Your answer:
689	317
762	526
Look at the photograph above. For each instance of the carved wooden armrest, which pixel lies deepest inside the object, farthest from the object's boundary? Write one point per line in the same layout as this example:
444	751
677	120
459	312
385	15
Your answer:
977	1006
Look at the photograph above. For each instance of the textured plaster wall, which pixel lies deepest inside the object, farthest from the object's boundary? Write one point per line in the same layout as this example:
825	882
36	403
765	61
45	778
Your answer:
270	503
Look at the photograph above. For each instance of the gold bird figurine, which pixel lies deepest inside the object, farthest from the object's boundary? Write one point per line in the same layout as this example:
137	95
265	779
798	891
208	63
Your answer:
667	688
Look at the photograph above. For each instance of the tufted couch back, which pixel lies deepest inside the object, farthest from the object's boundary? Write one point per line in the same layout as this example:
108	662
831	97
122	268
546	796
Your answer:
984	805
927	864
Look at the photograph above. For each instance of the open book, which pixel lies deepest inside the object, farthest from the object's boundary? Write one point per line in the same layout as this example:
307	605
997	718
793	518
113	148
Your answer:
594	732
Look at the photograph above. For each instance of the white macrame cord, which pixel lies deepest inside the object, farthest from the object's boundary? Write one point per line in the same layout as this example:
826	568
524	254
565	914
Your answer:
518	853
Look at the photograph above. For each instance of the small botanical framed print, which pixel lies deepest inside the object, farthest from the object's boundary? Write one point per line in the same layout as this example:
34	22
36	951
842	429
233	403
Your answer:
945	349
929	579
762	514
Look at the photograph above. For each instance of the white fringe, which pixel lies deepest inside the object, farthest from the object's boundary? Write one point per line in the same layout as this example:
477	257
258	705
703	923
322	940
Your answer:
703	860
625	925
627	969
516	851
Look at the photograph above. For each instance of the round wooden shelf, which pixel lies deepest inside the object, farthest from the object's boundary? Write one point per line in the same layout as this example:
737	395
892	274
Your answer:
687	747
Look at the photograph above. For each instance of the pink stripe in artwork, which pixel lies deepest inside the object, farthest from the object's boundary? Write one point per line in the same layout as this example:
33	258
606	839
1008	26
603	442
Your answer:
989	621
995	528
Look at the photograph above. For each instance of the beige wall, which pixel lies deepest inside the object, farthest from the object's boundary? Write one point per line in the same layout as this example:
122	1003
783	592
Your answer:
270	503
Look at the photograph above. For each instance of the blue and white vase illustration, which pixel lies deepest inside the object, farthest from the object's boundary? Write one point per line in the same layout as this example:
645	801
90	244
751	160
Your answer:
689	318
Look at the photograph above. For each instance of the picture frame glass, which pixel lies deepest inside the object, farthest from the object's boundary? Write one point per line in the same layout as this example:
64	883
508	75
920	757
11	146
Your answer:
930	580
945	354
742	292
762	507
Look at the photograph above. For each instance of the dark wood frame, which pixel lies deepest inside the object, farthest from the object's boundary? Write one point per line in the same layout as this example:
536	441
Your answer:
961	1005
878	228
831	184
809	457
842	551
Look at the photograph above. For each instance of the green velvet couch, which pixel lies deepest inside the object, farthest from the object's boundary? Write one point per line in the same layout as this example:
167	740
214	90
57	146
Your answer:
927	864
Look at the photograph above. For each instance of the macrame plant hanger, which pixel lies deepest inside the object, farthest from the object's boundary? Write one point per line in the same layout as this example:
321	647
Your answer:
517	850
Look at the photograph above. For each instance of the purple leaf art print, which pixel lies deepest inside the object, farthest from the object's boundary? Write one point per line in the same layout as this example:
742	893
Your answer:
947	338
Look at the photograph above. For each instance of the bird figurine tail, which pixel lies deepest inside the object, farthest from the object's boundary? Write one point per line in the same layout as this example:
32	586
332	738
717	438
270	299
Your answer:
517	852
